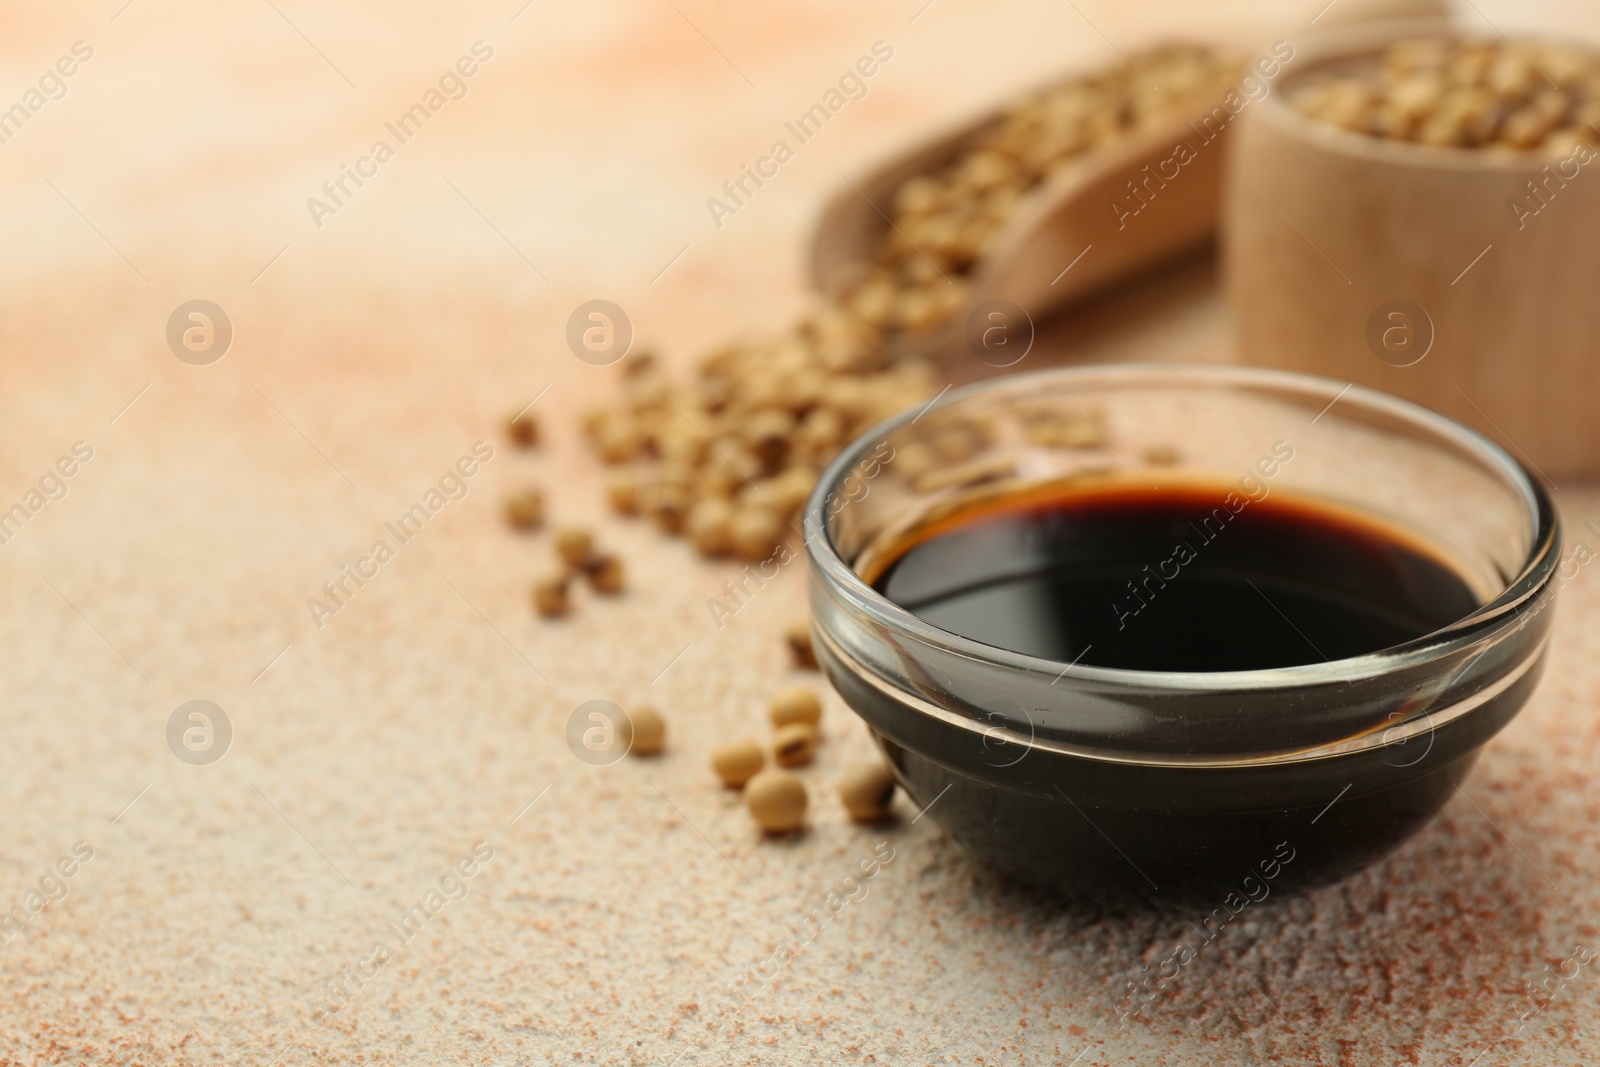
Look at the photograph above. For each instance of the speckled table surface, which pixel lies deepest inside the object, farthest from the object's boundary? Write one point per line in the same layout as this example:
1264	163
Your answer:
166	913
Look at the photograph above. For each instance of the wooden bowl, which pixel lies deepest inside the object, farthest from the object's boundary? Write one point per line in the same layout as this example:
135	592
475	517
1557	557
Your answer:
1407	268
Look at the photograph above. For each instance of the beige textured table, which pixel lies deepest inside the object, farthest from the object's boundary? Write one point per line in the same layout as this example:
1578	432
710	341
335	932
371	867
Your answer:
426	715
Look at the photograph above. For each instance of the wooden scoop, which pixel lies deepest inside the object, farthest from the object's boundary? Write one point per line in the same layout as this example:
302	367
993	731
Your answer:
1144	198
1115	211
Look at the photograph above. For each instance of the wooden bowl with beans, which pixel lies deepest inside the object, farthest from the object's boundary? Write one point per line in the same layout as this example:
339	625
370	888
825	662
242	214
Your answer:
1416	208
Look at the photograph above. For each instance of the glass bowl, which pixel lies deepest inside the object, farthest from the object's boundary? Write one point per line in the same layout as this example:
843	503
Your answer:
1150	787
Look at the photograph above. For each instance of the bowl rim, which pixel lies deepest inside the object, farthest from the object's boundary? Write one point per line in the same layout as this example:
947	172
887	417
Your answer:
1352	42
1536	573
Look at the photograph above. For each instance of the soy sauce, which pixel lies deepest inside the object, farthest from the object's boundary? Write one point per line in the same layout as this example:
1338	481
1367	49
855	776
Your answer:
1195	577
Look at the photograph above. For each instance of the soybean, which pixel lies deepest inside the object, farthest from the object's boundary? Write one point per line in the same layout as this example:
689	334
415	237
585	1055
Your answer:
622	489
523	429
867	789
606	574
795	745
551	596
737	762
648	731
798	635
777	800
525	509
576	547
798	703
755	532
710	526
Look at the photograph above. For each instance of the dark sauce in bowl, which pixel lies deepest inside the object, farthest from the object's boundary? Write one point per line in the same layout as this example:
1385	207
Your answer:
1189	578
